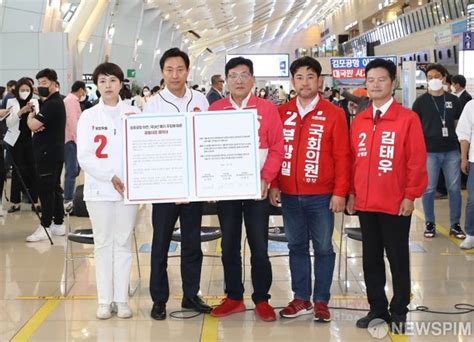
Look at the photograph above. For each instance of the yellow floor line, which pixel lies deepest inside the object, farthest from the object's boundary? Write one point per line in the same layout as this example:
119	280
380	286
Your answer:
56	297
218	246
398	338
25	333
443	231
210	325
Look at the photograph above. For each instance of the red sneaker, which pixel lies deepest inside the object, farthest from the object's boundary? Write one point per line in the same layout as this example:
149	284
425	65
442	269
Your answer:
227	307
265	312
297	307
321	312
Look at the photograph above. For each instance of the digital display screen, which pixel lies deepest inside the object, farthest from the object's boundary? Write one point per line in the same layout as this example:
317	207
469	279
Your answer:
267	65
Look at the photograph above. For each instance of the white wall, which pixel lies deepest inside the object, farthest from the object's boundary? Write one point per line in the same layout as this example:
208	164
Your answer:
24	49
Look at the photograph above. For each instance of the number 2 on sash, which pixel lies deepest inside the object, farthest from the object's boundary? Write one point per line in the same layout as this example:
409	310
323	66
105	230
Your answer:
102	140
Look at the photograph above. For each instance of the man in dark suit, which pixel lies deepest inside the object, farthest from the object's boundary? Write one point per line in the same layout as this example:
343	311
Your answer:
459	85
216	90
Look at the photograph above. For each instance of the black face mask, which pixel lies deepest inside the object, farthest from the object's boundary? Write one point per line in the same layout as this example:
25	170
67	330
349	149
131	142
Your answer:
43	91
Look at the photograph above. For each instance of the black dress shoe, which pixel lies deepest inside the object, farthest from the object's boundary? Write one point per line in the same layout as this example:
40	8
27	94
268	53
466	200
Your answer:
364	322
14	209
196	303
158	311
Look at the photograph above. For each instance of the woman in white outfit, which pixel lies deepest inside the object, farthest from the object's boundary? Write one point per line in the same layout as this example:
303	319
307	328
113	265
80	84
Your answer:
99	151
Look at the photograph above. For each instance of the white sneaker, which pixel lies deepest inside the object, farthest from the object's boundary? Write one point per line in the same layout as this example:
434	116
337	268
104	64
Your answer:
38	235
58	229
103	311
468	242
123	310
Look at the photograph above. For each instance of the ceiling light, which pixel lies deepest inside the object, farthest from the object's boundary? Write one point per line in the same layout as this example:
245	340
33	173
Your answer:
139	42
167	17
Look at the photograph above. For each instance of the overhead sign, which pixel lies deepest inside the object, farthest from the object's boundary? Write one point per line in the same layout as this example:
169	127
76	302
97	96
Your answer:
352	70
131	73
468	41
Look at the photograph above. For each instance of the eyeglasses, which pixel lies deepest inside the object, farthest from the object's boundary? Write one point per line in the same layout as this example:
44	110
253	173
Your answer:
244	76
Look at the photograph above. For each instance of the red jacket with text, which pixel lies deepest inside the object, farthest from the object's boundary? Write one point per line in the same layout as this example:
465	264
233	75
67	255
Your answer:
317	156
389	159
269	131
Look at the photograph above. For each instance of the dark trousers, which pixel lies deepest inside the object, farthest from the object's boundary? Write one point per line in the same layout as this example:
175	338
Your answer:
50	193
164	218
22	155
256	215
390	233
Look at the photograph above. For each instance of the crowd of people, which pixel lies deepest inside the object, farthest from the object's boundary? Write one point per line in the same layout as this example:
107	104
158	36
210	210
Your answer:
312	163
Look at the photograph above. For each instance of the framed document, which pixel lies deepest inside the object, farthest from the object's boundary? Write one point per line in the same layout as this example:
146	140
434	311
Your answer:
196	156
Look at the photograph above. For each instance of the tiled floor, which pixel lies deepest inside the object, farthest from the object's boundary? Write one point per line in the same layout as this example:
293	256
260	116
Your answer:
442	275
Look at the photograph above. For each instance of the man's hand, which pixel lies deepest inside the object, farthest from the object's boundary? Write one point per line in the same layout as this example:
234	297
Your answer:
118	185
465	166
350	204
274	195
264	186
337	204
406	208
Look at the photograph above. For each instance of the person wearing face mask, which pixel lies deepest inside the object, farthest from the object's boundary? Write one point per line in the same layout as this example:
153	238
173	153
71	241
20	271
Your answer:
73	112
48	126
146	94
18	137
439	112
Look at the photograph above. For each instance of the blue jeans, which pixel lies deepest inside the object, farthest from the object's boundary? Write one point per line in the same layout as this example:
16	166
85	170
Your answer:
308	218
450	163
469	227
72	169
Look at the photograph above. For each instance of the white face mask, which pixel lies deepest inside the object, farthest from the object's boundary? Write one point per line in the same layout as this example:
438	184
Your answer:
24	95
435	84
146	93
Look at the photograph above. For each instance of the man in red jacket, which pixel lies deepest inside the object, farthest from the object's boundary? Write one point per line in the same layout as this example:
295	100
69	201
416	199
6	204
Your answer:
389	173
312	185
240	81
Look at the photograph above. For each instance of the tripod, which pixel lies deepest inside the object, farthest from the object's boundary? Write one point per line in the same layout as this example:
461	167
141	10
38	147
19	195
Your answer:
27	192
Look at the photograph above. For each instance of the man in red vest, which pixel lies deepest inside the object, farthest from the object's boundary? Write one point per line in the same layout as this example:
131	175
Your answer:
312	186
389	173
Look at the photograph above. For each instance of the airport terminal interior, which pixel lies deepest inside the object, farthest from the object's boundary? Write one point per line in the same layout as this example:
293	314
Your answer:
48	288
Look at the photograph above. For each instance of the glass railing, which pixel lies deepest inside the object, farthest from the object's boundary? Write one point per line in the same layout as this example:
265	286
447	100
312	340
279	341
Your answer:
428	16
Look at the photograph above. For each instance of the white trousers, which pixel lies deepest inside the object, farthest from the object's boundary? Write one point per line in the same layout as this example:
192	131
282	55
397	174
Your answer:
112	225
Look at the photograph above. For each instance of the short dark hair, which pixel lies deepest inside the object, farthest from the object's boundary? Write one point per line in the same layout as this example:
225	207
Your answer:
107	69
78	85
215	79
459	79
50	74
11	83
235	62
155	89
19	83
174	52
438	67
31	80
308	62
384	64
